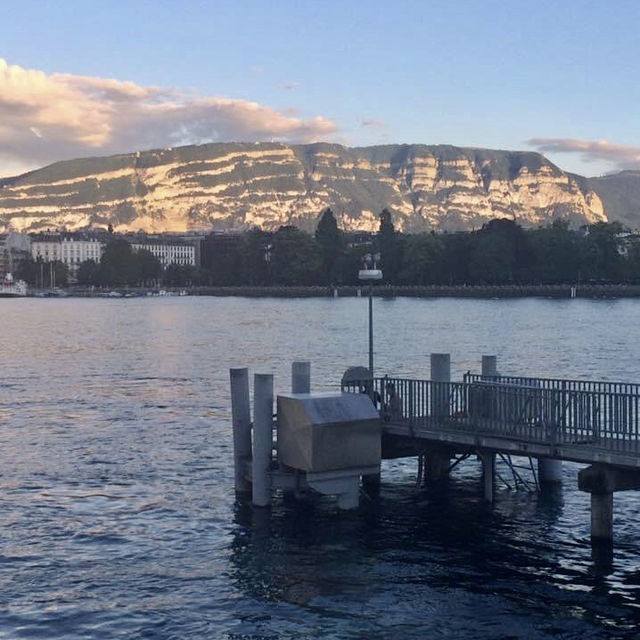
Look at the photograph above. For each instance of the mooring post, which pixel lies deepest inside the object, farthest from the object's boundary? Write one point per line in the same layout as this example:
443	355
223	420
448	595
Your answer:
489	366
241	421
437	459
441	367
488	473
262	438
301	377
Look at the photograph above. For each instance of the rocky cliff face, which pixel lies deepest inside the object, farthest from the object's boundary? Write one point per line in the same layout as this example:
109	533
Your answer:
234	186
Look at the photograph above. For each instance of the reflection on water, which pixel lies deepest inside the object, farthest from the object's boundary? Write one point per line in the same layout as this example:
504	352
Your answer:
118	513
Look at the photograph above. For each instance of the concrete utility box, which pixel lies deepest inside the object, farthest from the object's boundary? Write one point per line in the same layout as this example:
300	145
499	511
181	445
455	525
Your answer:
327	431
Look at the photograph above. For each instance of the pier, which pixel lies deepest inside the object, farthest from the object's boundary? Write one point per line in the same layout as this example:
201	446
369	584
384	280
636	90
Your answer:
441	423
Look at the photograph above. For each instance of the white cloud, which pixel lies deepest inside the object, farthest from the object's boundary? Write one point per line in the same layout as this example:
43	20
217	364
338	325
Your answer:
623	157
44	118
374	124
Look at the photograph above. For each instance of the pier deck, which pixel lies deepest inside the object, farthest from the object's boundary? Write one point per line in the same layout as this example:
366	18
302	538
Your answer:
581	421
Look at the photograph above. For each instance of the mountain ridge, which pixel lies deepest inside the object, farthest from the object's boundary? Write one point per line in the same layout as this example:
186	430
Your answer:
239	185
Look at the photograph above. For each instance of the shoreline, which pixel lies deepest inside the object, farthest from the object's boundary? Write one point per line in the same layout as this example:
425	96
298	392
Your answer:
350	291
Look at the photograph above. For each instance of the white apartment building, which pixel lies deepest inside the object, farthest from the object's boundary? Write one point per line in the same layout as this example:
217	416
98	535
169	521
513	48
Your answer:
182	254
70	250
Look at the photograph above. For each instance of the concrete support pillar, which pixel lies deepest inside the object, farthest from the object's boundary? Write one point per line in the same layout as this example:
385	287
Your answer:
301	377
241	421
262	438
489	366
333	483
350	498
549	471
602	517
488	473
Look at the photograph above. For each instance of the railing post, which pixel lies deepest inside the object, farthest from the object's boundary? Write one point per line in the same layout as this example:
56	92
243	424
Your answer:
411	415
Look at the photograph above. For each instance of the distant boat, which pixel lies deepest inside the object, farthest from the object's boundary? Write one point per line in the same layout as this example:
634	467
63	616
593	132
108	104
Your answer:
10	288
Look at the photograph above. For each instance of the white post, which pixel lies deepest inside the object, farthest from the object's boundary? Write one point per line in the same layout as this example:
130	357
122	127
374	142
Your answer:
301	377
262	438
241	421
440	372
489	366
440	367
438	461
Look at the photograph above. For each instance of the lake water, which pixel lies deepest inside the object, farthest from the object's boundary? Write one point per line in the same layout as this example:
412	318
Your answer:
117	503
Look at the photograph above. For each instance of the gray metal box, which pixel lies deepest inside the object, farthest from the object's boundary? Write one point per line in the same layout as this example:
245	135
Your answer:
327	431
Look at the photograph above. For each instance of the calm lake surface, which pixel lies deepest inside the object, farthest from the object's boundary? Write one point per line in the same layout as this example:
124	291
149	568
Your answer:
116	483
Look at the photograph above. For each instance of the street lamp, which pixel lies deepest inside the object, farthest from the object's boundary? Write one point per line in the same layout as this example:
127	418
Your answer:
369	273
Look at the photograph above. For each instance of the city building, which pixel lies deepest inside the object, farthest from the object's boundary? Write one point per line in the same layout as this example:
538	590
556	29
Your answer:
168	251
14	248
70	249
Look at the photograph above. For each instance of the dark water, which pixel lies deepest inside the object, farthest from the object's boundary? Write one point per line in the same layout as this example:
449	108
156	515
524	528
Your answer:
116	497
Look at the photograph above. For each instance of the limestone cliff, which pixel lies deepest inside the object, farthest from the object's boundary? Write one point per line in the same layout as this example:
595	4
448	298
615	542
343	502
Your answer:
235	186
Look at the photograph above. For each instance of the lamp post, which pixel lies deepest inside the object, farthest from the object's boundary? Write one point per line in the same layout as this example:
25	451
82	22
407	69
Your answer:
369	273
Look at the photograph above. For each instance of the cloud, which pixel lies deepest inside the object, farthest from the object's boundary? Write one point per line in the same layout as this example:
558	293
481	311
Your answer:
623	157
49	117
375	124
290	86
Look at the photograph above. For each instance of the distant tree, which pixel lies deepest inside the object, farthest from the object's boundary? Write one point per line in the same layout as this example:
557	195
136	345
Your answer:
149	266
601	258
633	261
256	258
29	271
178	275
222	257
422	259
457	250
330	242
521	263
557	250
119	265
89	273
295	259
492	260
389	245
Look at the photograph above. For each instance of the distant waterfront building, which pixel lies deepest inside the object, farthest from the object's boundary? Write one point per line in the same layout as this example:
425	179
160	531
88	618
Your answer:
168	251
14	248
70	249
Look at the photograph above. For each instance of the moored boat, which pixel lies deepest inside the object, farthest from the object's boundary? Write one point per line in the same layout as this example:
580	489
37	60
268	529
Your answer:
10	288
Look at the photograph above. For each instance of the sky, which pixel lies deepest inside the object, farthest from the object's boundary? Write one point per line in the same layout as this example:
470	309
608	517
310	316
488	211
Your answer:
93	77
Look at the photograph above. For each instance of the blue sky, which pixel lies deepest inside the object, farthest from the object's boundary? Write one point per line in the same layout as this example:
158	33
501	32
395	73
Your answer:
557	76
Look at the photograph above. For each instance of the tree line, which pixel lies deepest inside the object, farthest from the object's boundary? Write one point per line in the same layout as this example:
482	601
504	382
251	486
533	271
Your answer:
501	252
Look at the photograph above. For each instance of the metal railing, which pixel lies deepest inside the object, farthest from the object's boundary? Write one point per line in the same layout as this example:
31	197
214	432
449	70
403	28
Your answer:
605	415
563	384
